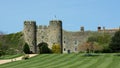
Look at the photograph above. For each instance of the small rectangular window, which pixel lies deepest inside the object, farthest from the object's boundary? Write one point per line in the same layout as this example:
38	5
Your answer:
64	41
75	42
42	37
75	49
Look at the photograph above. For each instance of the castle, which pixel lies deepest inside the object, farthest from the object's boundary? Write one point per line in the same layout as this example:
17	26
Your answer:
53	33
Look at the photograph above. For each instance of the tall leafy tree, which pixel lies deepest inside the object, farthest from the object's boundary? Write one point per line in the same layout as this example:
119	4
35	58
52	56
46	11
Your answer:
26	49
3	46
87	47
101	38
115	42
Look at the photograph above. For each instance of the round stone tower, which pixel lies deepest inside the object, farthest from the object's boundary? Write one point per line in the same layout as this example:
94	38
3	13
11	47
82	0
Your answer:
55	33
30	35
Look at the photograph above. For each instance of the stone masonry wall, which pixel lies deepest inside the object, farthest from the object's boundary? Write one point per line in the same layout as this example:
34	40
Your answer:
53	33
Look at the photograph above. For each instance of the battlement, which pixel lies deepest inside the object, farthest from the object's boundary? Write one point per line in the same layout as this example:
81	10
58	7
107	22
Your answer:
108	29
29	22
55	22
42	27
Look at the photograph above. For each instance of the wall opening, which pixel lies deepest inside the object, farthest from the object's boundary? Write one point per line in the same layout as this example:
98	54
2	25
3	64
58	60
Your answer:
64	49
43	48
68	51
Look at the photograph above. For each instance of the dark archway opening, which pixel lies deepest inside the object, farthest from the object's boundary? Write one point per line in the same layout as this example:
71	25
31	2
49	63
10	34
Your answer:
68	51
43	48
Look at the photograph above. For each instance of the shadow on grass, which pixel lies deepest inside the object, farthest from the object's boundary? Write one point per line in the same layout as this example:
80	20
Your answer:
117	55
90	55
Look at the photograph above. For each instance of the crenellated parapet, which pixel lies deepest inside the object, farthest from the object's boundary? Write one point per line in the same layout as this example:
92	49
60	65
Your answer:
108	30
42	27
32	23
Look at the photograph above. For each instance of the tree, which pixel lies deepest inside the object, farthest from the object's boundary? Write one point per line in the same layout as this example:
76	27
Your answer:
12	43
26	49
56	48
3	47
87	47
90	47
100	38
102	41
97	47
115	42
1	50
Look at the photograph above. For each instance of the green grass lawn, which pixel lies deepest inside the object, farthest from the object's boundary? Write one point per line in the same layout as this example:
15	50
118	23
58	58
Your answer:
10	56
67	61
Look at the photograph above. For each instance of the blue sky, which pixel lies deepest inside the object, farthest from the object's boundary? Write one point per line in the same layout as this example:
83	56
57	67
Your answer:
73	13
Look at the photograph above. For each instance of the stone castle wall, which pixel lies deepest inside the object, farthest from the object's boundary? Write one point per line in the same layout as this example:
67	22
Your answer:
71	40
35	35
53	33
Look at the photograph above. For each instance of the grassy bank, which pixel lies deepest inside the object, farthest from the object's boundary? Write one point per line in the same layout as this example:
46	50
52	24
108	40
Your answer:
67	61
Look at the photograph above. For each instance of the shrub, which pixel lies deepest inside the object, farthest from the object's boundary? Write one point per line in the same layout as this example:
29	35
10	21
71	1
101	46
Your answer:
56	48
115	42
26	49
1	53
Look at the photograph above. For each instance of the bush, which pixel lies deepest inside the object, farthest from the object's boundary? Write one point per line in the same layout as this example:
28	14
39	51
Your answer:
88	54
106	50
26	49
56	48
2	53
115	42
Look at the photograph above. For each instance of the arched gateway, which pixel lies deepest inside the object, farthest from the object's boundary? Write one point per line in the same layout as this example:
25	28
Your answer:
43	48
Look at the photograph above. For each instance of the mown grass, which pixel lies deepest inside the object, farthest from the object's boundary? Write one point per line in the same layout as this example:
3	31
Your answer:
67	61
10	56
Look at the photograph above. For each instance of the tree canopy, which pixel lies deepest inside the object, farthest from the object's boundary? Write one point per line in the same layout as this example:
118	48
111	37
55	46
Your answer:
115	42
26	49
56	48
